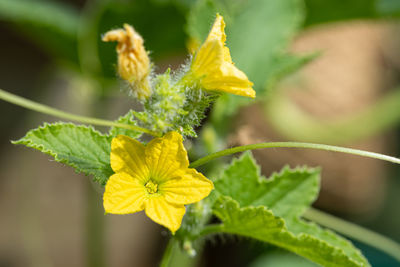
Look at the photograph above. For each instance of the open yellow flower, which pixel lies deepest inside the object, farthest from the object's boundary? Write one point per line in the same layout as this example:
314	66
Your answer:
213	65
133	59
155	178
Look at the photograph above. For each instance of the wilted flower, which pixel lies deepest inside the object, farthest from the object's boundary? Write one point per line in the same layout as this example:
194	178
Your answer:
133	60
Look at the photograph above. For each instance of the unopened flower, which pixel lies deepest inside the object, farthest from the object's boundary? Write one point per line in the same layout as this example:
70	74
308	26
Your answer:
133	60
155	178
214	68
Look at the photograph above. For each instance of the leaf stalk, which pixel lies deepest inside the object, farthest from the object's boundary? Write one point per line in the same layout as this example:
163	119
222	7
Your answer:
29	104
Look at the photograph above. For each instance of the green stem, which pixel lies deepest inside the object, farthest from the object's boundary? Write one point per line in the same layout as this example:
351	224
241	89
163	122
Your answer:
237	149
355	232
172	243
210	229
26	103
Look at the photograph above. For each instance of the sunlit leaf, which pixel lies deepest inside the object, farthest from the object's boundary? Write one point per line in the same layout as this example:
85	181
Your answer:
269	210
80	147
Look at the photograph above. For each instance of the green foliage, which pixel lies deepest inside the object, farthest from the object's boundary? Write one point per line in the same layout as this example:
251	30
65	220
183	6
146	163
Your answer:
174	105
195	108
388	8
41	13
80	147
287	193
126	119
52	24
338	10
269	210
164	105
333	10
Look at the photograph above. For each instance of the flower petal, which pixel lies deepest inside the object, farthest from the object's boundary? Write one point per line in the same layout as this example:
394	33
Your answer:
217	32
227	78
189	188
166	155
127	155
123	194
209	57
164	213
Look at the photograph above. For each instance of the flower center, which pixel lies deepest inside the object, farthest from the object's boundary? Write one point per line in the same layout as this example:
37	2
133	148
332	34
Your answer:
151	187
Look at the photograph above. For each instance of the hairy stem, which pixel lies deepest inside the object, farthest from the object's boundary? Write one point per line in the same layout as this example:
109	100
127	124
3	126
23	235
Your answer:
237	149
172	243
355	232
210	230
26	103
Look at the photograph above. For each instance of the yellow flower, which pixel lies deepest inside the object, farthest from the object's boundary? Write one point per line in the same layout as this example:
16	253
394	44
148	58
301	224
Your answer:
133	60
155	178
213	65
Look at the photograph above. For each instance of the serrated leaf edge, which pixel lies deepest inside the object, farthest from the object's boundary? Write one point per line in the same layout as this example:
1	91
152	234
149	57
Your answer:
285	229
28	142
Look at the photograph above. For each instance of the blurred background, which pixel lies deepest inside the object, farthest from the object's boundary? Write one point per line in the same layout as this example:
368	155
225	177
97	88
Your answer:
324	71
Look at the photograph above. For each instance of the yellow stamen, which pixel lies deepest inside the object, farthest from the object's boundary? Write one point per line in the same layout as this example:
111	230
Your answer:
151	187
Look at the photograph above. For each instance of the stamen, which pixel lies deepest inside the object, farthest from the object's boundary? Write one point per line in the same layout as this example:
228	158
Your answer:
151	187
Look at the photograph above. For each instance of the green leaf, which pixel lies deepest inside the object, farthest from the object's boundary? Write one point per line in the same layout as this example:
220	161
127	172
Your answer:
256	222
127	119
261	224
49	14
338	10
388	7
287	193
334	10
80	147
269	210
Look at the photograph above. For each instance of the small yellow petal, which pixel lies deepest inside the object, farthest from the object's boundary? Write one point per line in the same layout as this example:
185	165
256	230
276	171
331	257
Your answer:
164	213
123	194
209	58
166	155
191	187
229	79
128	155
217	30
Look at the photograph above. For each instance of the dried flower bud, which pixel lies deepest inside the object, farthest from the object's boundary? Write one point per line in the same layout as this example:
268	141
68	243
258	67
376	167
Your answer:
133	60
